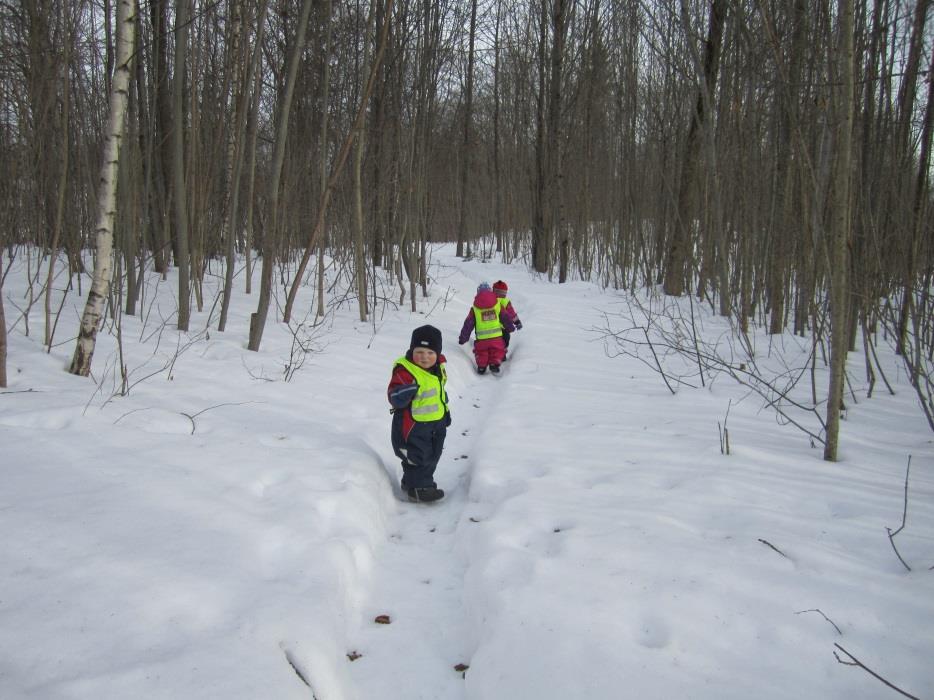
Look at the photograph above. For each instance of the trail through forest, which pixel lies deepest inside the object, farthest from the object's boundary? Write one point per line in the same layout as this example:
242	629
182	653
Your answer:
232	525
424	649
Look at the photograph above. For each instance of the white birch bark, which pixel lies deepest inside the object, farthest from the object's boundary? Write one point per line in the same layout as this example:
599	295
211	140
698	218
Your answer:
107	202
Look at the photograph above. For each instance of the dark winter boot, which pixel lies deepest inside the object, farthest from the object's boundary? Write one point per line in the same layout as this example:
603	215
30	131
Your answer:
481	370
426	495
494	369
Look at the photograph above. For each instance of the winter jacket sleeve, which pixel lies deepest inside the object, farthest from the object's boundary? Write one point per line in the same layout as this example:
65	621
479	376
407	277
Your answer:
402	387
469	324
507	320
508	312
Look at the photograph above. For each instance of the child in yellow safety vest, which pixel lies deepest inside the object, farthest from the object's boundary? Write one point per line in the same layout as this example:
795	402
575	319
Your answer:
420	415
487	322
506	309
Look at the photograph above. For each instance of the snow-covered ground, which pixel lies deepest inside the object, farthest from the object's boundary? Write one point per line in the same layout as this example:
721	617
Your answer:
219	532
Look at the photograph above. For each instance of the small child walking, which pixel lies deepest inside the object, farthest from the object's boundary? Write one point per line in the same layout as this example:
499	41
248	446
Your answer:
420	415
485	320
506	309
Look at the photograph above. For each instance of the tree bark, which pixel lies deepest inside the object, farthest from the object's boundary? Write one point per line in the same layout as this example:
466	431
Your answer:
3	340
271	236
556	137
324	99
103	266
541	239
906	100
839	250
238	101
179	193
164	245
338	167
359	253
463	246
920	207
679	249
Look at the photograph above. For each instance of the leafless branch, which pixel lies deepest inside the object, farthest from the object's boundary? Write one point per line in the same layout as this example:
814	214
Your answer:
677	338
192	416
856	662
904	518
724	431
821	613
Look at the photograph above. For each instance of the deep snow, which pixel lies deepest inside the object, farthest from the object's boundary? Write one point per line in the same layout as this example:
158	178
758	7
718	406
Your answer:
219	532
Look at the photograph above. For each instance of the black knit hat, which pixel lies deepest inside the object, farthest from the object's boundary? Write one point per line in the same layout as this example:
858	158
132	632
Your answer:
426	337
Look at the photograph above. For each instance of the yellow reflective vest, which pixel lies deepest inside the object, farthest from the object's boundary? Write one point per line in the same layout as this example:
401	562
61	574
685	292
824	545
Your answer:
486	323
430	403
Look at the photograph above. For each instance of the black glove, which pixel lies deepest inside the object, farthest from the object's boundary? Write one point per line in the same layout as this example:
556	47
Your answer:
518	325
447	419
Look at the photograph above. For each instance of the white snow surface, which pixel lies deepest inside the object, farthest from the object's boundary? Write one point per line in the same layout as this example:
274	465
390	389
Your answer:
220	532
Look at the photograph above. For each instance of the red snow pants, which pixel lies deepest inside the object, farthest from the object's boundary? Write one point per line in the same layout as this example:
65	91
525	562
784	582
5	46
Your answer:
490	351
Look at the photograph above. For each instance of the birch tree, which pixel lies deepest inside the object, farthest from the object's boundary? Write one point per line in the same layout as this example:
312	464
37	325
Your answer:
107	201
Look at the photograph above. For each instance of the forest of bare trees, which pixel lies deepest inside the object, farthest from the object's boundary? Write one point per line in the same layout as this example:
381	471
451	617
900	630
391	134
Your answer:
770	157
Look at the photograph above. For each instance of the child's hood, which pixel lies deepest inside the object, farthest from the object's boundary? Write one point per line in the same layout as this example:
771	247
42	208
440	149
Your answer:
485	299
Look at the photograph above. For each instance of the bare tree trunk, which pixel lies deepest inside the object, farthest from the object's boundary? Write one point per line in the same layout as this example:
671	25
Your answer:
325	87
784	223
60	202
541	248
920	207
179	193
338	167
103	266
3	341
463	246
271	236
164	245
252	138
242	101
839	251
359	254
556	137
238	101
497	168
679	250
906	100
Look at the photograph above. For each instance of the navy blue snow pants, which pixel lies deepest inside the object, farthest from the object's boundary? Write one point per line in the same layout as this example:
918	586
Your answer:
420	453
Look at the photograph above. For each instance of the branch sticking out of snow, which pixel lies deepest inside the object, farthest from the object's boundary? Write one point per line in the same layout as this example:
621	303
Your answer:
856	662
904	518
772	546
821	613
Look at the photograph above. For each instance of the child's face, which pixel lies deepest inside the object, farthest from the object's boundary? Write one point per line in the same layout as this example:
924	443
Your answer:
424	357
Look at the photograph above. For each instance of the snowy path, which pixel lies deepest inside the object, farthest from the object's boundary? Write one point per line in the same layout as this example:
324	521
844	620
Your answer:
419	574
594	543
